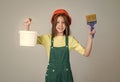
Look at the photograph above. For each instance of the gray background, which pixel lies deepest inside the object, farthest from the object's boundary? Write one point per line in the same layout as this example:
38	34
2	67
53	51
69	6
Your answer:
28	64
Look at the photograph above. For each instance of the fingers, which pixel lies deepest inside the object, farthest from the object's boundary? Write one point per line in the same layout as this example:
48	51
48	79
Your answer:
92	32
27	23
30	19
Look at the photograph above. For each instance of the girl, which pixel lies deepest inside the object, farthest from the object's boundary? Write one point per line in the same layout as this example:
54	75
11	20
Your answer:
58	44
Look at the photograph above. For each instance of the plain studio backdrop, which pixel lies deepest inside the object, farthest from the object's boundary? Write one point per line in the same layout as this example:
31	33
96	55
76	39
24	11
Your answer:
28	64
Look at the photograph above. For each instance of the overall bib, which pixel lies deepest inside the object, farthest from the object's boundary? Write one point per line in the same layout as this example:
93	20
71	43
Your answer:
59	69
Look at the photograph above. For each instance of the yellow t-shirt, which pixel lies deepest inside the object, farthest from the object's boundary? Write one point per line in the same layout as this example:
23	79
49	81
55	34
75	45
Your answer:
59	41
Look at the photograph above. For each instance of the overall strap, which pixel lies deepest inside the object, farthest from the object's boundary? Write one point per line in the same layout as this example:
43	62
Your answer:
66	40
52	40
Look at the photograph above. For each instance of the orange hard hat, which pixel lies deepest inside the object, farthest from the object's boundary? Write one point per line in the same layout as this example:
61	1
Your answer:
61	11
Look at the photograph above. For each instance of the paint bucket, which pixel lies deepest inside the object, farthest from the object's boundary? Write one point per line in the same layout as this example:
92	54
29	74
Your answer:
28	38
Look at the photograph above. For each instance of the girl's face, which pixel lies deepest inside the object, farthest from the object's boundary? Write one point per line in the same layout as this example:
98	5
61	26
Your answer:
60	27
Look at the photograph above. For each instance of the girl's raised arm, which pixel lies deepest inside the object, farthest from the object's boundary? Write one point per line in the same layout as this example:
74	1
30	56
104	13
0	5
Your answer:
89	43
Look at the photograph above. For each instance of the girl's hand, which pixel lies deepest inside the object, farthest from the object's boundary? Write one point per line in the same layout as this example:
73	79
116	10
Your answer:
27	23
92	32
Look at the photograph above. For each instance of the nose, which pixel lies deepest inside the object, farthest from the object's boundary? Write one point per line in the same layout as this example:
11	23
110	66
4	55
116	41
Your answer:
61	24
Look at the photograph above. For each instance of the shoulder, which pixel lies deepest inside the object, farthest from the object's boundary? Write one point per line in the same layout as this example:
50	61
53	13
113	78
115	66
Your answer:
71	38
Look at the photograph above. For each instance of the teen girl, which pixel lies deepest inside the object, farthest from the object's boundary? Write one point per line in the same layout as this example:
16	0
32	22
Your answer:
58	44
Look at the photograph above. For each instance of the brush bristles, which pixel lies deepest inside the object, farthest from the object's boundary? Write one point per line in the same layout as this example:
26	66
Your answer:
91	18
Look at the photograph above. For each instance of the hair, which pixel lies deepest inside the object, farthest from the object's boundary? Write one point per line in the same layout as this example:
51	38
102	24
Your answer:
54	23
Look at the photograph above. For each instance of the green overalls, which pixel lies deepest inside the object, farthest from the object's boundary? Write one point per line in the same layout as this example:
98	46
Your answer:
59	69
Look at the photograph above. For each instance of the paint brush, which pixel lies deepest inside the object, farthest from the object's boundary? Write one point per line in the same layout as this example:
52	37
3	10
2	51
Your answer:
91	21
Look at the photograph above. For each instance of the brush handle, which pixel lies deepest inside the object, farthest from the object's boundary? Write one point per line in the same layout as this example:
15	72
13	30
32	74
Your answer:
92	27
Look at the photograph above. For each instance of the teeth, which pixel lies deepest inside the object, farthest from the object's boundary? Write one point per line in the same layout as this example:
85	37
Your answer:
61	28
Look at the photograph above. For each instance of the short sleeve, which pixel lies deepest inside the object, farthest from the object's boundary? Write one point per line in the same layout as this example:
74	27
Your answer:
39	39
44	39
74	44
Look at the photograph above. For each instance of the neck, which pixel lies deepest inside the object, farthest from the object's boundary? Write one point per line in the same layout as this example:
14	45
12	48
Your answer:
60	34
